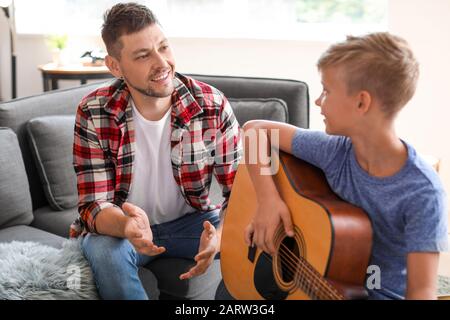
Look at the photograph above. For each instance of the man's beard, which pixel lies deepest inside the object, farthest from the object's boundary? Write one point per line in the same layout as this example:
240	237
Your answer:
149	92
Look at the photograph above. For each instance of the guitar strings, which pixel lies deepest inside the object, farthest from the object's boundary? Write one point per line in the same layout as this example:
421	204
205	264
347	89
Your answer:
291	259
291	270
315	287
322	285
305	270
301	281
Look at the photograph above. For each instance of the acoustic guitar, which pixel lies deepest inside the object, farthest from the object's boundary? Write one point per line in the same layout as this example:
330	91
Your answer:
327	258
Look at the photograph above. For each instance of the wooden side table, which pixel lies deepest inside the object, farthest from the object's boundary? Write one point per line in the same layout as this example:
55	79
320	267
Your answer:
52	73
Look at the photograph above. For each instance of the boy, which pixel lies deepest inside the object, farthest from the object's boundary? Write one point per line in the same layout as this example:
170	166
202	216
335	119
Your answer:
366	82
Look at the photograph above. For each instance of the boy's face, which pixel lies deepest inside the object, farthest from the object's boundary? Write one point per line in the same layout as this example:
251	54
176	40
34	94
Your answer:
147	63
336	105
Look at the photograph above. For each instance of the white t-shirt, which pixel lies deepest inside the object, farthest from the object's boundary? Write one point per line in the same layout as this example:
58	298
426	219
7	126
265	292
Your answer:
153	187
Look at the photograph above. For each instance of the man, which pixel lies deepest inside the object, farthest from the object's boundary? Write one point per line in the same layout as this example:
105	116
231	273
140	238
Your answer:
145	148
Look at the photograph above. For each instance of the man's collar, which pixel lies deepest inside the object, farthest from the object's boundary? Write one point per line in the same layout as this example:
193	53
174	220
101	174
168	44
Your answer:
184	104
119	99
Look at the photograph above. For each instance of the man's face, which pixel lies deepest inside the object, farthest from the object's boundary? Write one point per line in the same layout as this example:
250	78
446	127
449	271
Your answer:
147	63
336	105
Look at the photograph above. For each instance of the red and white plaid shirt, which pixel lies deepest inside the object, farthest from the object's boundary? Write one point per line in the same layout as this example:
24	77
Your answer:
205	140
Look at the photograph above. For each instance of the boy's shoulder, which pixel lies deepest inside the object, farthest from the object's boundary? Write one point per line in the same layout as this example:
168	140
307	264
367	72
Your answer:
422	172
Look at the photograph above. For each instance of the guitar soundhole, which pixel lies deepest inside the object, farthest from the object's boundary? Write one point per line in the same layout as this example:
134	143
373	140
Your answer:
289	254
286	264
274	279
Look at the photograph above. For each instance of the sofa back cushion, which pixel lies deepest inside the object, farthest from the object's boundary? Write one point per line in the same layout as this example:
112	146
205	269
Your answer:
246	109
15	199
294	93
15	114
51	140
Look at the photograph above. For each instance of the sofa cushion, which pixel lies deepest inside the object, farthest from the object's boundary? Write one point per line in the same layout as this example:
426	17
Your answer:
294	93
56	222
202	287
246	109
15	198
26	233
51	142
16	113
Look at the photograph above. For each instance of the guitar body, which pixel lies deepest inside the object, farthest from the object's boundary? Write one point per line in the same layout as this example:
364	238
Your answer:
332	237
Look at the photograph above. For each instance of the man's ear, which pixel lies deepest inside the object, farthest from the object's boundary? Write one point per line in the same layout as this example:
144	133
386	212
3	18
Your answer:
113	66
364	102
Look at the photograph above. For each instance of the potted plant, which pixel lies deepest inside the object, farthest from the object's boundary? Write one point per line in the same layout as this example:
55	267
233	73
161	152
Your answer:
57	43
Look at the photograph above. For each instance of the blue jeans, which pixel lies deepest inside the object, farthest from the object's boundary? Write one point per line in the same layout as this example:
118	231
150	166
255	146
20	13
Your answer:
115	262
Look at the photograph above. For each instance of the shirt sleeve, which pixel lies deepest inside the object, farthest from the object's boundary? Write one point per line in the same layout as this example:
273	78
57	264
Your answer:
316	147
95	175
228	150
426	222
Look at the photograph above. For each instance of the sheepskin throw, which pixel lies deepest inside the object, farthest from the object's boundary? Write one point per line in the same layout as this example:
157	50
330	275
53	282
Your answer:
32	271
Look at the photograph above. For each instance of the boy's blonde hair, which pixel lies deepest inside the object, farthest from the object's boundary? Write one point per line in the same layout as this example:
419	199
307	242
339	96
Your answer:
380	63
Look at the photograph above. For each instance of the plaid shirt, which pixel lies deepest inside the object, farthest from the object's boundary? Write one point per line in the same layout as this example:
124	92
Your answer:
205	140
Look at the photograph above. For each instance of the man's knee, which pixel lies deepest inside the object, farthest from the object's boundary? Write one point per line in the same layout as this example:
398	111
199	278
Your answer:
104	250
114	265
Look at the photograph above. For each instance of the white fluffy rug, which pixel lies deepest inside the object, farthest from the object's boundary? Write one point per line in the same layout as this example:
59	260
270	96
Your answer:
32	271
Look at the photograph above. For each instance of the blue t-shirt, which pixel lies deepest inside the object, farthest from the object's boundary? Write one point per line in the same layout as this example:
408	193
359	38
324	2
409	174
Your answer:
408	210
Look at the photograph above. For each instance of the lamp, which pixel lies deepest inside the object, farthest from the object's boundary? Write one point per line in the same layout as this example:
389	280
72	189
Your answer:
8	8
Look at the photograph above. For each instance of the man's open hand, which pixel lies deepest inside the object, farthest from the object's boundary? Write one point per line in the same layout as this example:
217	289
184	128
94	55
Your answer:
209	246
137	230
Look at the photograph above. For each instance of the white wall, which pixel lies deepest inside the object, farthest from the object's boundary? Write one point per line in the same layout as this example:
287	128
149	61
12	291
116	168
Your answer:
32	51
425	121
260	58
424	23
5	79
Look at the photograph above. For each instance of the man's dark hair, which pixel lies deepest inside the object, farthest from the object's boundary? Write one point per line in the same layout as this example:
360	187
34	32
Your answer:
123	19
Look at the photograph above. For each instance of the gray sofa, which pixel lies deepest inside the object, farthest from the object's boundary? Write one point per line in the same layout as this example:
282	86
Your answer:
37	190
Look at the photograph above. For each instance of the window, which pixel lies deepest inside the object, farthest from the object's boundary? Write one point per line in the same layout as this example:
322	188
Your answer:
263	19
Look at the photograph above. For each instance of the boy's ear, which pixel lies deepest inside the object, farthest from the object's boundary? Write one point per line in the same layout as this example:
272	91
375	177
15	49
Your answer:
113	66
365	102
